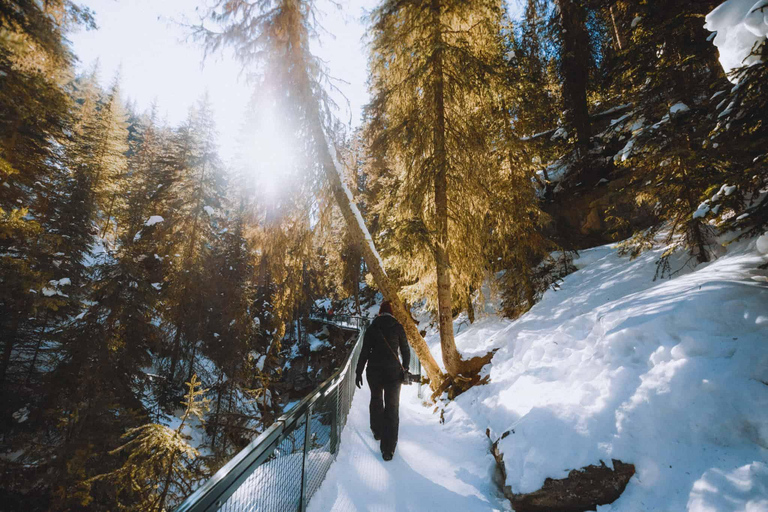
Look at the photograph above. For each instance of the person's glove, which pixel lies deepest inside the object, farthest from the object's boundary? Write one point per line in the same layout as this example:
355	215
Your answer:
359	381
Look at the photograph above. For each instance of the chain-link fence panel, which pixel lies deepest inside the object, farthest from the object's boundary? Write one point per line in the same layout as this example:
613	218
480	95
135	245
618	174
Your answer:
275	485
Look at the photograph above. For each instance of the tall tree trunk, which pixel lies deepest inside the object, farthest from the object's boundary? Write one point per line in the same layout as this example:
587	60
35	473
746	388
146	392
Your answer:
356	284
451	357
10	338
175	351
615	28
574	67
470	307
217	414
109	215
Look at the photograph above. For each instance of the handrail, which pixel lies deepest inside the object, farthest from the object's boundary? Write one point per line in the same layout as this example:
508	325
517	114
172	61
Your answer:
306	437
214	494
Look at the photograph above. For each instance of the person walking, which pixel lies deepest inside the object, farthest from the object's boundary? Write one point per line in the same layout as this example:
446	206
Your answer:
383	339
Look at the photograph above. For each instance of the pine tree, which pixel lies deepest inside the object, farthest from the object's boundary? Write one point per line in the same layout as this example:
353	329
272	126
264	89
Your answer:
161	465
575	56
198	193
737	145
35	67
283	28
433	71
672	72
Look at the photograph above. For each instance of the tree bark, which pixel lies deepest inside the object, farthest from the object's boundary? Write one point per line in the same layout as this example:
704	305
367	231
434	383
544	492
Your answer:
615	28
454	364
574	67
10	338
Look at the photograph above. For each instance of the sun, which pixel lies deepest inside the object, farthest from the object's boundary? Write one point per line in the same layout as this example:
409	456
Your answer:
270	154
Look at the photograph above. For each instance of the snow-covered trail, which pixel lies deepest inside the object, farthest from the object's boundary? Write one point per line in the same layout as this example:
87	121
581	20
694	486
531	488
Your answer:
436	467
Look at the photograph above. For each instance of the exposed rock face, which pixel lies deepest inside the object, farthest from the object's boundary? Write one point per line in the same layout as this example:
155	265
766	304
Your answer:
582	490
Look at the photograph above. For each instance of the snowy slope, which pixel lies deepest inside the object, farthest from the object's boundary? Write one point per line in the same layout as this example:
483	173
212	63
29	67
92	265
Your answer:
669	375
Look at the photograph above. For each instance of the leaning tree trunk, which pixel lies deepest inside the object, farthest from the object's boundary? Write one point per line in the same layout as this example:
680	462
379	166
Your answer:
361	236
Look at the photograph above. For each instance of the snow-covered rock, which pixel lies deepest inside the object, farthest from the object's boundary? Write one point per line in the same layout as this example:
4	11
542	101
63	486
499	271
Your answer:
740	25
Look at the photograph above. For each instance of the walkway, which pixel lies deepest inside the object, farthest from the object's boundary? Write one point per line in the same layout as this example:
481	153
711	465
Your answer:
436	467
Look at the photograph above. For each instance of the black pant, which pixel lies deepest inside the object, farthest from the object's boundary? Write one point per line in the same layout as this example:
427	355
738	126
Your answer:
385	404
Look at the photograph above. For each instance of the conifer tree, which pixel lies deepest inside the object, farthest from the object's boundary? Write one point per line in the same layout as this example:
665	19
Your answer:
161	465
574	68
279	32
433	71
35	67
672	72
198	191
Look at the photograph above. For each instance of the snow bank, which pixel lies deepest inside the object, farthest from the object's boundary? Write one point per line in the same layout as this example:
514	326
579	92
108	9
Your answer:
669	375
740	25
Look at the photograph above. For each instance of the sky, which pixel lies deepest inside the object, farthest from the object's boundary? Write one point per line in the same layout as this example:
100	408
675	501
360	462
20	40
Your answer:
146	42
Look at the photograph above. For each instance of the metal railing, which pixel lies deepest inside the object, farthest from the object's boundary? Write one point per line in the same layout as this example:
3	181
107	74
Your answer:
282	468
356	323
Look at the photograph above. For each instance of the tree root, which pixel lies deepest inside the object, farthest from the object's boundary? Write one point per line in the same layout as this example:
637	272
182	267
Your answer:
458	384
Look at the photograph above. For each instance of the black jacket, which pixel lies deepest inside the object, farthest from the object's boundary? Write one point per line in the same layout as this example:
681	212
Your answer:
382	340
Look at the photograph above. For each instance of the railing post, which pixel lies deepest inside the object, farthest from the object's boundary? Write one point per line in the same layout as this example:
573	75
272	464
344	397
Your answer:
335	422
419	373
307	437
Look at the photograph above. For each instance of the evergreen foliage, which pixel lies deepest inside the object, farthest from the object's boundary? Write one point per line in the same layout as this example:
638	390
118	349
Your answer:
134	261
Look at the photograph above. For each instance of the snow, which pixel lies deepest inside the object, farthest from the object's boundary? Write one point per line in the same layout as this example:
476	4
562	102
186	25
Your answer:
742	489
725	190
436	467
316	344
157	286
762	244
209	210
678	108
626	151
560	133
260	362
668	375
21	415
702	210
154	220
740	26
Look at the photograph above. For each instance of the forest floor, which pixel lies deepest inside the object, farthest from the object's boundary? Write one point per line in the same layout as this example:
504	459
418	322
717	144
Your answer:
668	374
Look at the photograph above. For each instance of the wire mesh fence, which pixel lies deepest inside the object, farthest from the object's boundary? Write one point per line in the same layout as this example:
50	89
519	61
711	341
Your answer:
281	469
